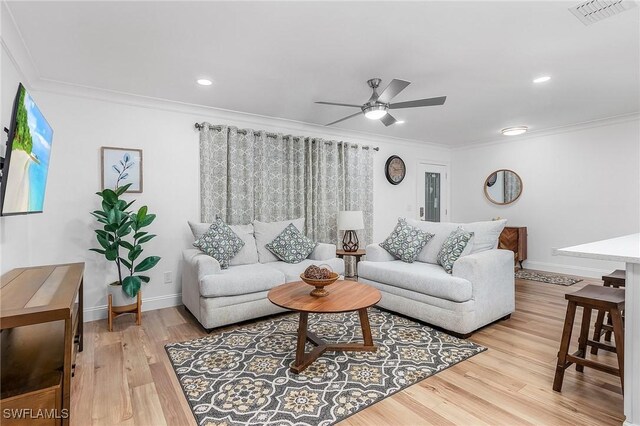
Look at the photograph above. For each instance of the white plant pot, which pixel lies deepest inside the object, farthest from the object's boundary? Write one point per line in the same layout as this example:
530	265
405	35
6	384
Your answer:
119	297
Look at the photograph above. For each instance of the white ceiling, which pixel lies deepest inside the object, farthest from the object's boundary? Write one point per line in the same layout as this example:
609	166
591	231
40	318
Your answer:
277	58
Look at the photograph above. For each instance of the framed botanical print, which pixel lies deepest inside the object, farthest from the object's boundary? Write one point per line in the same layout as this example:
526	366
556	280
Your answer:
121	166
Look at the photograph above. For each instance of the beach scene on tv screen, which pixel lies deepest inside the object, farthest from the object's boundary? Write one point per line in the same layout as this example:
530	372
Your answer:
29	162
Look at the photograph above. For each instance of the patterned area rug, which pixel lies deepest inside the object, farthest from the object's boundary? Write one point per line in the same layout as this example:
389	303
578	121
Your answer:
546	278
242	377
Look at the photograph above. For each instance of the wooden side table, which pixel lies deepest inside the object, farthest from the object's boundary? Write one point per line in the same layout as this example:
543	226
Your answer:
355	254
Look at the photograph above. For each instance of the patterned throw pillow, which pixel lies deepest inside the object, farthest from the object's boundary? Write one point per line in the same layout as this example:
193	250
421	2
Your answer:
406	241
291	246
220	242
452	248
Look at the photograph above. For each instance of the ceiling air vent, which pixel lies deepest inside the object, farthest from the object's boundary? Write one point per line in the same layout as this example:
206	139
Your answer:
596	10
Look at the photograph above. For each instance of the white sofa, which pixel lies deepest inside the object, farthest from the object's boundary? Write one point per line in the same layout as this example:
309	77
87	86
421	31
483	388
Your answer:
480	290
218	297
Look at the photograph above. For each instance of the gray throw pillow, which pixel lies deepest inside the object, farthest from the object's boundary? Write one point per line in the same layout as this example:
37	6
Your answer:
452	248
406	241
249	253
220	242
265	232
291	246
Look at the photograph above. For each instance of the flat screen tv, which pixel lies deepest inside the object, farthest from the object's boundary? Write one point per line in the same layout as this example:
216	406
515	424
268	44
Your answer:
26	164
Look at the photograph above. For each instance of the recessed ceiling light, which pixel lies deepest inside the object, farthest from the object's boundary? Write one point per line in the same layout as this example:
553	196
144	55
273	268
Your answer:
514	131
542	79
400	122
204	82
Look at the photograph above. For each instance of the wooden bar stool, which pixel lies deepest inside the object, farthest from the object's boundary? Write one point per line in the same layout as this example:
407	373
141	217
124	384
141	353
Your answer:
615	279
591	297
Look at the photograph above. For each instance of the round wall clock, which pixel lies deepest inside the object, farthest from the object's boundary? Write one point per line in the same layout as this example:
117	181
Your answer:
395	170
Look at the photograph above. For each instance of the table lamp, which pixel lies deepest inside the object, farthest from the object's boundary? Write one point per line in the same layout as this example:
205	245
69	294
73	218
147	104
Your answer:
349	221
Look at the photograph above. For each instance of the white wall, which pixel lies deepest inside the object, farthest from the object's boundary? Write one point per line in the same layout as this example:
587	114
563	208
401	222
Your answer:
579	186
8	88
165	132
393	201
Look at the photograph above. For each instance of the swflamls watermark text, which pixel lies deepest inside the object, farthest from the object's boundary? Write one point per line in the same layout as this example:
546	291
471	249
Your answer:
30	413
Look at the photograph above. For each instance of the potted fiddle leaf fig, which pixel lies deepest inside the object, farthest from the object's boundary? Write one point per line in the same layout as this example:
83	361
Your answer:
121	238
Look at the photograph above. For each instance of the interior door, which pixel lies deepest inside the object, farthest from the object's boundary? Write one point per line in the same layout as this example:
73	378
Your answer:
433	192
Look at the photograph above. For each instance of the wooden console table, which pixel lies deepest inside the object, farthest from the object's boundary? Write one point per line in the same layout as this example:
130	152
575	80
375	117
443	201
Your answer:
514	238
41	329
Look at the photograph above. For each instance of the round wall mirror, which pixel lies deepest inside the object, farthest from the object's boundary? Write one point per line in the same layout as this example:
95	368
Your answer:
503	187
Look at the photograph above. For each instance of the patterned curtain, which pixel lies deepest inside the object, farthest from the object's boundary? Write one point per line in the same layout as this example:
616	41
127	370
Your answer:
247	175
357	179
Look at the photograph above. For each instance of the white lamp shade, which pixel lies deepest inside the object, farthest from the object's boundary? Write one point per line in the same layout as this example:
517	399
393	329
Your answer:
350	220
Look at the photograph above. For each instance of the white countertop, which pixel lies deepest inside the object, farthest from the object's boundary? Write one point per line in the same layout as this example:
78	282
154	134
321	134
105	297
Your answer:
621	249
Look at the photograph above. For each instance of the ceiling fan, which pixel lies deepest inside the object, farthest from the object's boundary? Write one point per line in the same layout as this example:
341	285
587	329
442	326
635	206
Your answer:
376	108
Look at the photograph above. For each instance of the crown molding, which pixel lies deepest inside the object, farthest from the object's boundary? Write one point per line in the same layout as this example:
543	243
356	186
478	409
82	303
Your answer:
283	125
600	122
222	116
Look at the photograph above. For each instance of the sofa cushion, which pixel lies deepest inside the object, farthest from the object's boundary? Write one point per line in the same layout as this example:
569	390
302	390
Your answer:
265	232
485	234
291	246
198	229
440	231
453	247
247	255
241	279
424	278
220	242
292	271
406	241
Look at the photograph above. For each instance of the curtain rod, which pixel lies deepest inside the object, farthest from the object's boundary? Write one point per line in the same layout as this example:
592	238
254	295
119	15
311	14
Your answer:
273	135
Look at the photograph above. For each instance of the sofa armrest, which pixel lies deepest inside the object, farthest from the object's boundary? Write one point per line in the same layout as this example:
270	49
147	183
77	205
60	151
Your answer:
492	279
202	264
323	251
196	266
375	253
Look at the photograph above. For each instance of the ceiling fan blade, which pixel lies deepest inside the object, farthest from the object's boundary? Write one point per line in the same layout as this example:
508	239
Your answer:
419	103
388	120
345	118
334	103
396	86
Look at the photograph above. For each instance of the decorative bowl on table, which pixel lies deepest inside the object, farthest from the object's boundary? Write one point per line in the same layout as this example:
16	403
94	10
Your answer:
319	277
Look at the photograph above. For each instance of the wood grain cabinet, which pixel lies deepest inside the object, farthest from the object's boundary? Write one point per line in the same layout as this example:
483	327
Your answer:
514	238
41	331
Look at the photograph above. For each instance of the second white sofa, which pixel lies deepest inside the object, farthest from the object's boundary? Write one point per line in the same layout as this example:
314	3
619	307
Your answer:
480	290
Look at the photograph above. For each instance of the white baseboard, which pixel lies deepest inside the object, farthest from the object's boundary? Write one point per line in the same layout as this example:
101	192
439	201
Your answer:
580	271
148	304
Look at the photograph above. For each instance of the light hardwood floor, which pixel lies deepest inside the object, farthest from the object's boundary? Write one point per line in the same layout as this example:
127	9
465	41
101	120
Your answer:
124	377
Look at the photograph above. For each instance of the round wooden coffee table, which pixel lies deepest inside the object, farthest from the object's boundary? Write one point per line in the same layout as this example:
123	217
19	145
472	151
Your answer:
344	296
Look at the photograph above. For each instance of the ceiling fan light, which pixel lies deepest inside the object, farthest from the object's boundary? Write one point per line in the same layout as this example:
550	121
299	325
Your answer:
375	112
514	131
